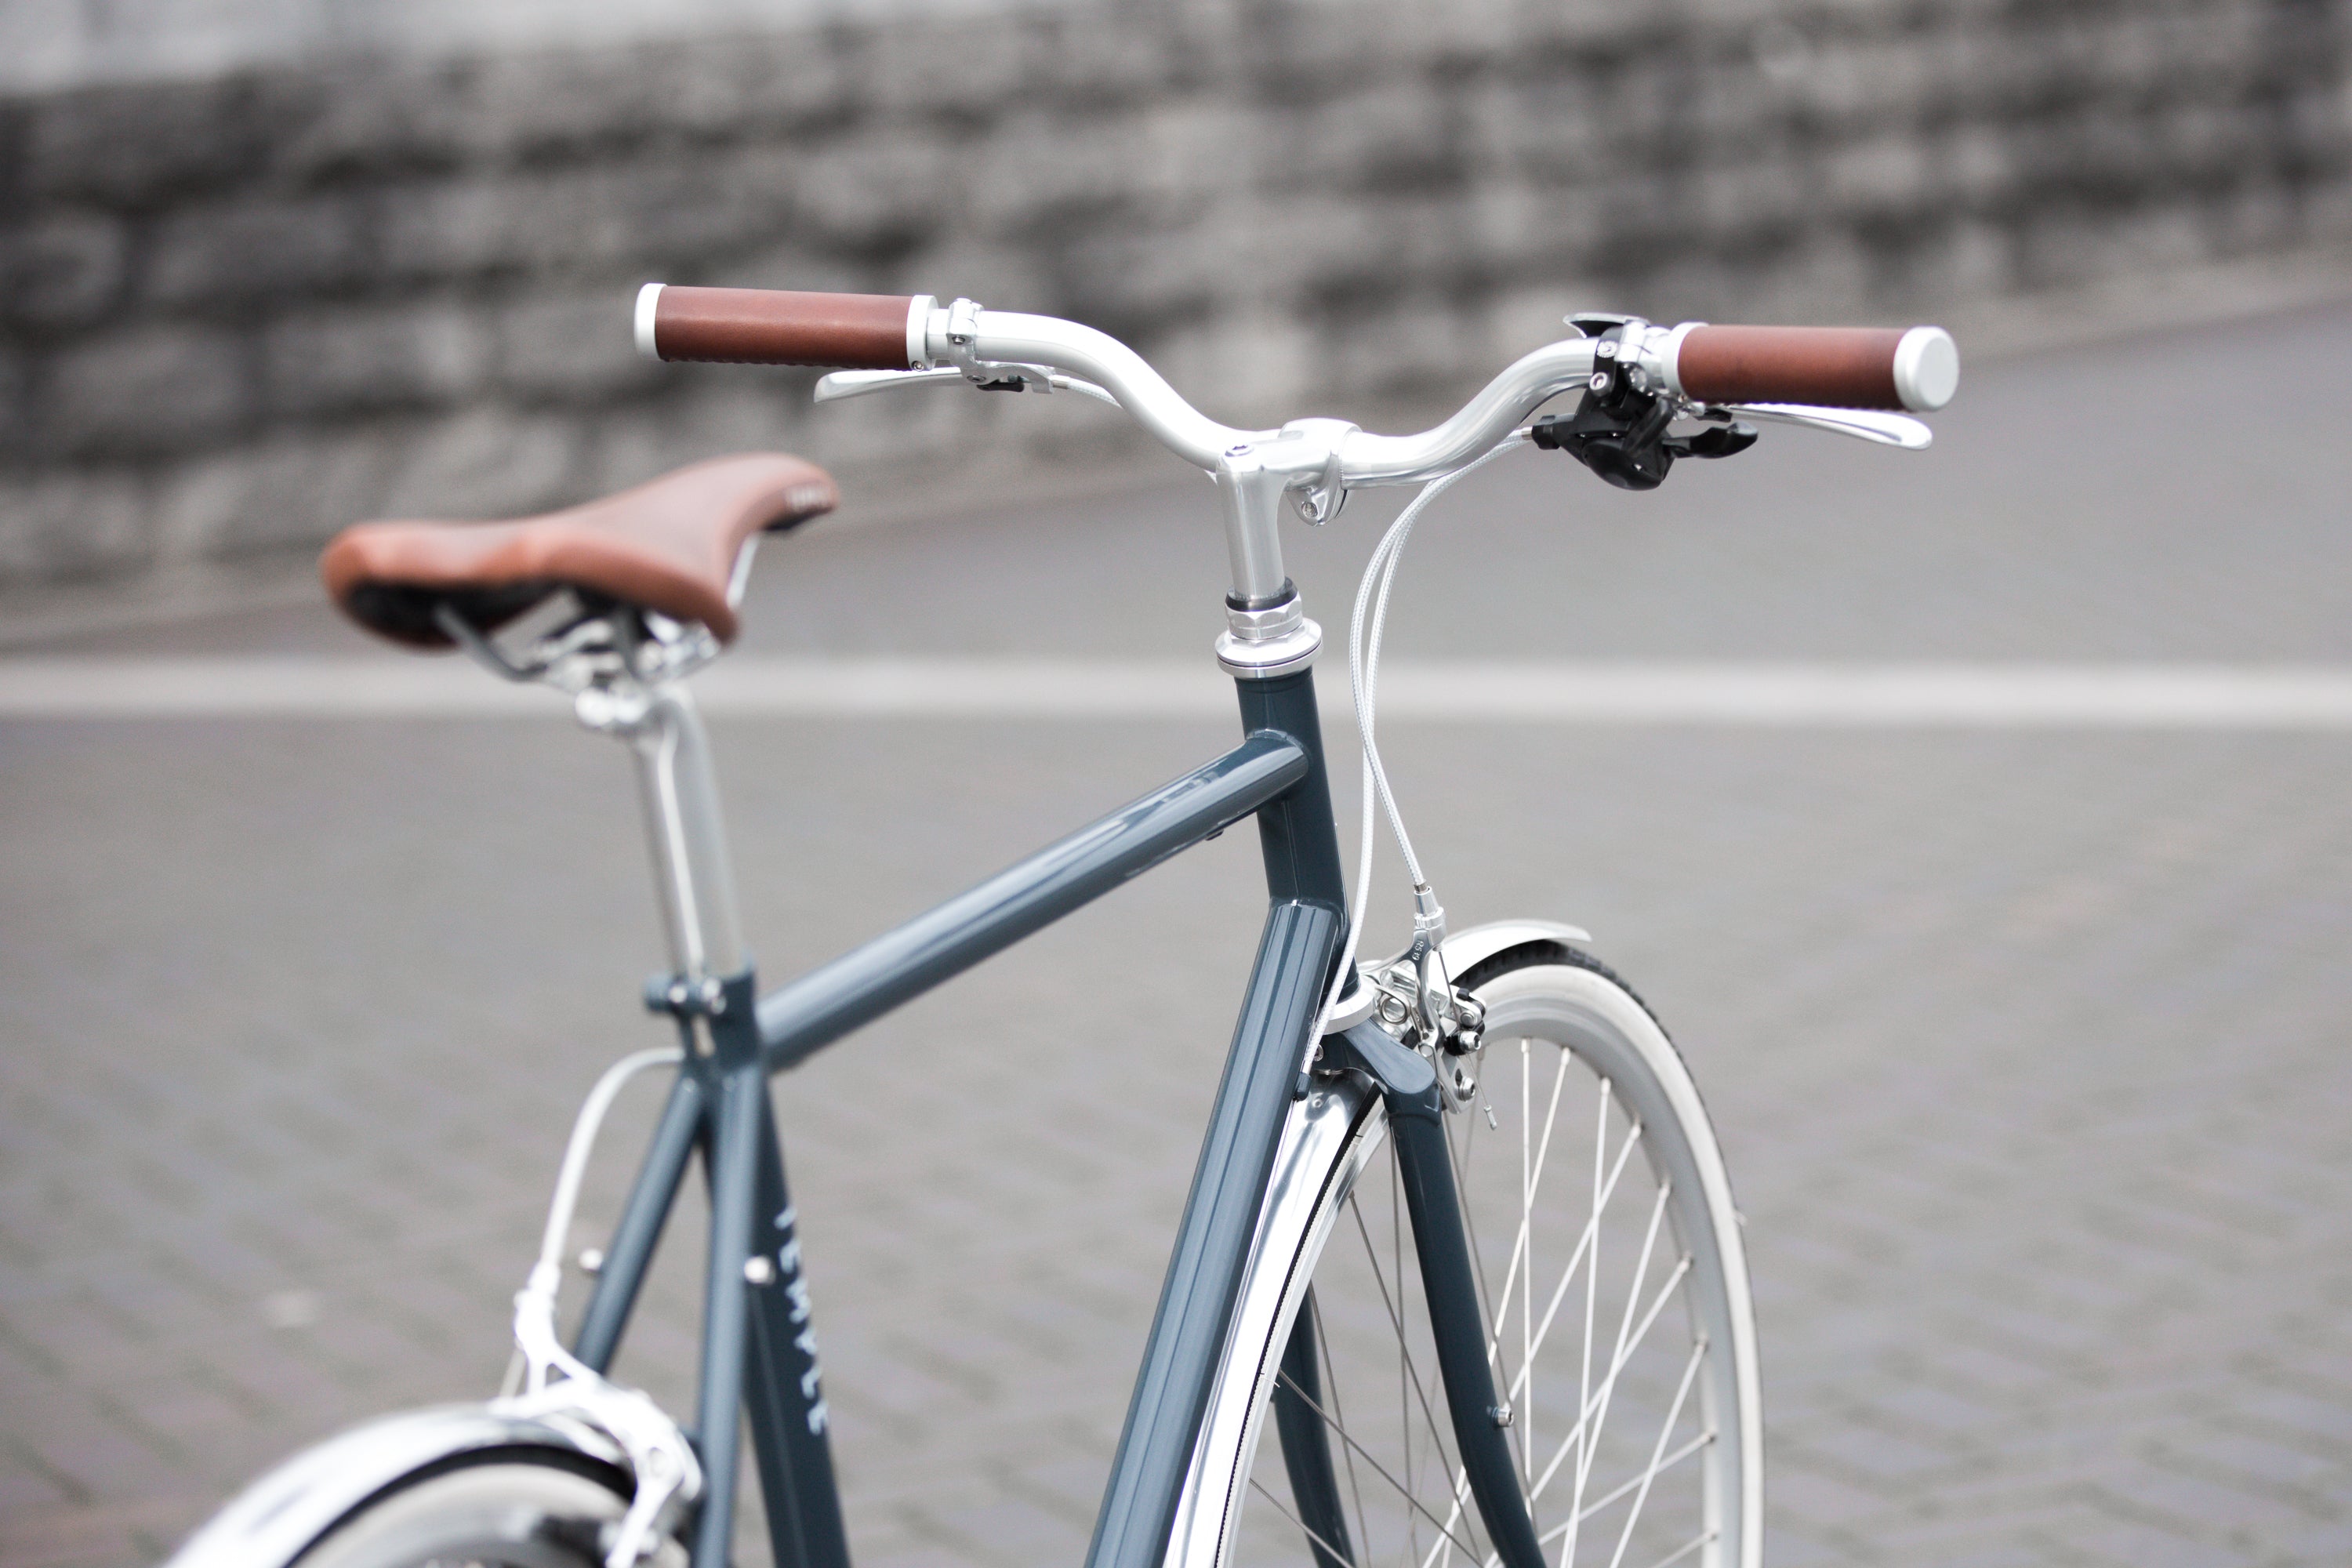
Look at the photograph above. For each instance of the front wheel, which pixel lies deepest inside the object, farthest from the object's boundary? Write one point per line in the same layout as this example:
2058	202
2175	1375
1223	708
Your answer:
1614	1295
515	1514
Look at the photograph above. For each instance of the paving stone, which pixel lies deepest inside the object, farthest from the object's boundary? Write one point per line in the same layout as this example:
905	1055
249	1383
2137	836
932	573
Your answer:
2026	1049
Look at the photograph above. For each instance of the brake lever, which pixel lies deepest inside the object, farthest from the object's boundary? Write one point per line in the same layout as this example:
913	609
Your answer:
840	384
1862	423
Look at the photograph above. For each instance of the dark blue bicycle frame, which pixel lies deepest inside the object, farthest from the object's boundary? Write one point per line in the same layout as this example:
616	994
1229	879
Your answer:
760	1356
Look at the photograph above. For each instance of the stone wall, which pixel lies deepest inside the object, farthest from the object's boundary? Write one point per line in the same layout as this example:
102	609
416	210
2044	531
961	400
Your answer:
238	313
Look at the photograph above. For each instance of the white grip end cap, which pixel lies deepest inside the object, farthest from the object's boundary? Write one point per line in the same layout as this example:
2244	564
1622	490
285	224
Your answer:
918	331
648	301
1926	369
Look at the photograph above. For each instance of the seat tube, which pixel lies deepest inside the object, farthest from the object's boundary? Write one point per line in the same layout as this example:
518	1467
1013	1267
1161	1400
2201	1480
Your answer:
679	793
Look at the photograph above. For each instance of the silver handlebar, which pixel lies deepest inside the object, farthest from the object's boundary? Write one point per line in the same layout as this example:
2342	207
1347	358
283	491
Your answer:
965	342
1003	337
1008	337
1312	463
841	383
1501	405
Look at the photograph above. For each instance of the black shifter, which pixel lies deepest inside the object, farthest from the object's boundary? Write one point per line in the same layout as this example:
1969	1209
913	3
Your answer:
1619	428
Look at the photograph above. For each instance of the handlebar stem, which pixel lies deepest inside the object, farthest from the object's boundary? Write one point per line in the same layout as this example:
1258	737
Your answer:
1249	489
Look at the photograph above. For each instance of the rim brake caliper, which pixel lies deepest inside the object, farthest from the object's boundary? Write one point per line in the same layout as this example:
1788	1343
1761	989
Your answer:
1421	1007
661	1461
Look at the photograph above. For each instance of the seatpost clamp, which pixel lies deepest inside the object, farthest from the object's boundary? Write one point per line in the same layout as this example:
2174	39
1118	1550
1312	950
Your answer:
686	997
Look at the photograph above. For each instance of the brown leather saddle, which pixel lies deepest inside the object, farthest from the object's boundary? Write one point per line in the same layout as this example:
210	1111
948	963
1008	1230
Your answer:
670	545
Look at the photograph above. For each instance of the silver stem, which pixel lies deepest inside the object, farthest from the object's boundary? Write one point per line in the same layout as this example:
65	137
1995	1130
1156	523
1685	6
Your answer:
1251	492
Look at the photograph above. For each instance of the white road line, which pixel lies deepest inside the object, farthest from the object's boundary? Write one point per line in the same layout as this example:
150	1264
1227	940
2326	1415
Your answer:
2061	696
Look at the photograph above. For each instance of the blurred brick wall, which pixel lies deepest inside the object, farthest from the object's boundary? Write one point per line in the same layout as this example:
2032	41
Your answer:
235	314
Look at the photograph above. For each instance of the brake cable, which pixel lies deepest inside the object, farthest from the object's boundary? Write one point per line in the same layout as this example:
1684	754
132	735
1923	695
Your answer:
1363	682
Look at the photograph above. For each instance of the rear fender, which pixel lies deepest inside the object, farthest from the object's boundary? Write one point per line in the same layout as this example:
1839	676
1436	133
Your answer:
280	1516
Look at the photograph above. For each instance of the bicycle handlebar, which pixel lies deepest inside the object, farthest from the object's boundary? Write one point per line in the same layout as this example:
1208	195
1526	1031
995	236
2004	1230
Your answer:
1836	367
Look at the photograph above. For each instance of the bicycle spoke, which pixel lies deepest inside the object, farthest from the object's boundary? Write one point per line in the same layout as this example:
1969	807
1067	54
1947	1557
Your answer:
1673	1415
1527	1402
1452	1517
1559	1291
1627	1486
1584	1371
1665	1292
1323	1344
1405	1359
1380	1469
1409	1372
1617	1355
1659	1467
1543	1150
1685	1550
1260	1488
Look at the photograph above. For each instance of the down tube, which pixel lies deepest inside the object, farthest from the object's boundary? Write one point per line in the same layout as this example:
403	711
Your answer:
1196	1304
1305	925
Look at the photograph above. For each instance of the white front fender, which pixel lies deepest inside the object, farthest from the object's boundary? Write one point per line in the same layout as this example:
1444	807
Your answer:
278	1517
1464	950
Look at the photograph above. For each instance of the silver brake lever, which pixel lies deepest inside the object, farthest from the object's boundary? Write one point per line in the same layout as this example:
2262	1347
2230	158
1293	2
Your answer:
1863	424
840	384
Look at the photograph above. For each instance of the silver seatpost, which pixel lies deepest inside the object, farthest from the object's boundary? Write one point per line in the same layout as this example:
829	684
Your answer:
679	795
625	673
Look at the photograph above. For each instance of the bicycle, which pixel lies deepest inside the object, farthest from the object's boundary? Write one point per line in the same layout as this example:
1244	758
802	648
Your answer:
1498	1399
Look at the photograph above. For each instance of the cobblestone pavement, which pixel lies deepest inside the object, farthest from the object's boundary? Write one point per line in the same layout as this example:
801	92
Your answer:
2026	1047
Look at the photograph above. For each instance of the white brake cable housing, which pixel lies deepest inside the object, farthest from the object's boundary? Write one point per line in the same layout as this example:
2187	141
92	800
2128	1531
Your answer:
1363	681
545	1380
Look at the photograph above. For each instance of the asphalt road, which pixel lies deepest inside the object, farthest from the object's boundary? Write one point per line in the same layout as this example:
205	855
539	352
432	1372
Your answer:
2027	1045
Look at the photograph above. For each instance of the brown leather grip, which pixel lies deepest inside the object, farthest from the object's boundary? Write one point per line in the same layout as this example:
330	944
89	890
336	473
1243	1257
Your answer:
1831	367
780	326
